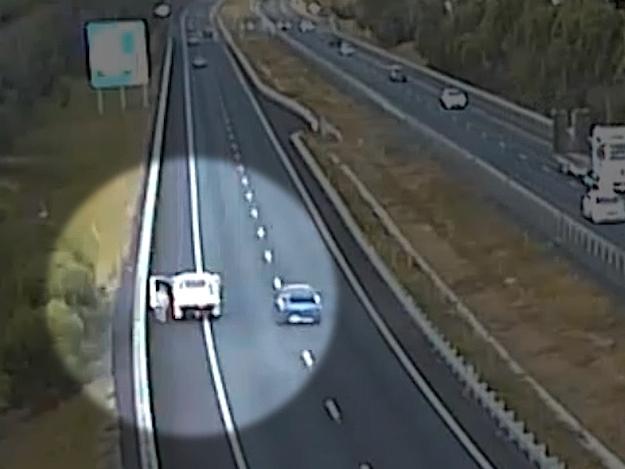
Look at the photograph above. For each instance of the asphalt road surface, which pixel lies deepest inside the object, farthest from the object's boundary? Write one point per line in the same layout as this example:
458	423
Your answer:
277	403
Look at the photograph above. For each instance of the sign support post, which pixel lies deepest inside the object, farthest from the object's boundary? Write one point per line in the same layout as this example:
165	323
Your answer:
100	102
122	97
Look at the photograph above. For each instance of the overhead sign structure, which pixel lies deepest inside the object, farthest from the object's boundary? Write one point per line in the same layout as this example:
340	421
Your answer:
117	53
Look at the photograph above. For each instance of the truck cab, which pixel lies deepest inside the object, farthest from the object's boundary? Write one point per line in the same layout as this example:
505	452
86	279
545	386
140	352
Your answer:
608	154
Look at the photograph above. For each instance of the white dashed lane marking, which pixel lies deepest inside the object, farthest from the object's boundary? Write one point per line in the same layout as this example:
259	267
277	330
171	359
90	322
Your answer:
308	358
333	410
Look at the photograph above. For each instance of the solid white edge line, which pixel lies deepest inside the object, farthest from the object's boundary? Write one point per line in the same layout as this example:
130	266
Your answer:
209	341
141	386
433	399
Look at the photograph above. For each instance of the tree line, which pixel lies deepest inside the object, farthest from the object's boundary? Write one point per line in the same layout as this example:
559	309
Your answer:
531	51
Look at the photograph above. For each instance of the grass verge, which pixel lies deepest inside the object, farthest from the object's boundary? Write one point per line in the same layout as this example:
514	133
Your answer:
562	327
72	186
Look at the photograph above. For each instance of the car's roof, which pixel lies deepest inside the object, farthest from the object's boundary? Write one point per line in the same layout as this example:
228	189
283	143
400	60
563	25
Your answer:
194	275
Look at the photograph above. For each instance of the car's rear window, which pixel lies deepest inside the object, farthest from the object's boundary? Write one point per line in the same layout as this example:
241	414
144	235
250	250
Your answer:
194	283
301	298
607	200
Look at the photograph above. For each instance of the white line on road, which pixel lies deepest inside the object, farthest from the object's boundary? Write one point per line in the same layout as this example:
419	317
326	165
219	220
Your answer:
260	232
333	410
268	256
240	168
245	181
308	358
545	168
220	389
249	196
141	383
277	283
522	156
254	213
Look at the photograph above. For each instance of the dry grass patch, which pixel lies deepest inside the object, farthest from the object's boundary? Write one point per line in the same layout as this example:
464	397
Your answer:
559	325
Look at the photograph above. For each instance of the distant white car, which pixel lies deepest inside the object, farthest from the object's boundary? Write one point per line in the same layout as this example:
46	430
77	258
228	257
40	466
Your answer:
193	40
603	206
453	98
298	303
188	293
346	49
306	26
162	10
397	74
199	62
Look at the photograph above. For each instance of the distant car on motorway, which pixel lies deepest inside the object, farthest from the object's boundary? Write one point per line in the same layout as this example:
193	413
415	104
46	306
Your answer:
334	42
208	32
603	206
453	98
187	293
396	74
297	303
306	26
346	49
199	62
162	10
193	40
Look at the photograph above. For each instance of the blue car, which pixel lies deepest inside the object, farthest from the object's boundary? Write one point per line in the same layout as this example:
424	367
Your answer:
298	304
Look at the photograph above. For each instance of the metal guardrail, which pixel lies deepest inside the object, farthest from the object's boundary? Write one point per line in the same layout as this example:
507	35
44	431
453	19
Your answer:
561	224
280	99
507	420
141	388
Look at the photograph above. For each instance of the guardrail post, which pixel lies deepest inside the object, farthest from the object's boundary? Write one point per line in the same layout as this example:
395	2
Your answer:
560	140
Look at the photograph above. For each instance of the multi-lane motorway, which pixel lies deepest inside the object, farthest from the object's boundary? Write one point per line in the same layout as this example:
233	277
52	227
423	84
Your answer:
524	157
235	392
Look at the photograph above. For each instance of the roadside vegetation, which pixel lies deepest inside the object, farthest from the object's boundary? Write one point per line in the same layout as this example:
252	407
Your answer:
561	326
69	181
537	54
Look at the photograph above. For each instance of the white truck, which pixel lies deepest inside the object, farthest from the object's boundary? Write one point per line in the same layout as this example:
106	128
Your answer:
188	293
606	162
